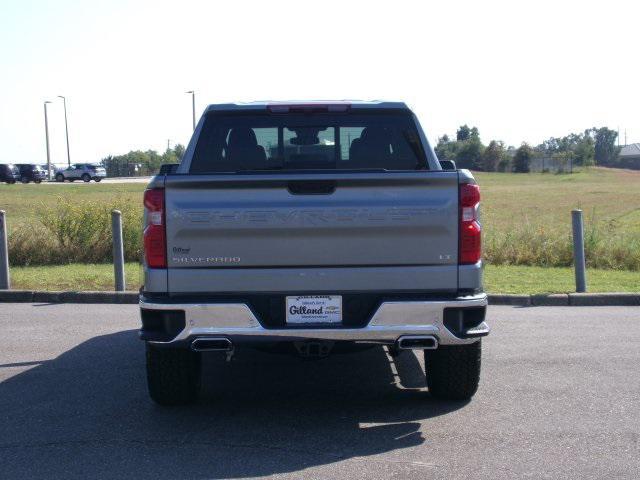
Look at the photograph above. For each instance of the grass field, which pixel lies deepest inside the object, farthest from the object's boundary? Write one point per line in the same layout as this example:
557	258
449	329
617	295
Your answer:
498	279
526	219
606	195
23	202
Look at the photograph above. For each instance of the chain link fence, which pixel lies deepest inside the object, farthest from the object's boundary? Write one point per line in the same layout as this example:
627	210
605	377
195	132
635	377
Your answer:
551	164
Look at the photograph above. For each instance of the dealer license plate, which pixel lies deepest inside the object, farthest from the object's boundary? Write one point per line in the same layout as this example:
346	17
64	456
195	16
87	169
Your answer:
314	309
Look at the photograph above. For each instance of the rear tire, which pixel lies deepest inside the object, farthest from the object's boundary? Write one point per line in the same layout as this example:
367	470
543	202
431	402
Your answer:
86	178
97	179
453	371
59	178
173	375
37	180
24	180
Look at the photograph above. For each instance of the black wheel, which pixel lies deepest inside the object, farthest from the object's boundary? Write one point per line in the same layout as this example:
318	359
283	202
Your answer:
86	177
24	180
59	177
453	372
38	180
97	179
11	182
173	375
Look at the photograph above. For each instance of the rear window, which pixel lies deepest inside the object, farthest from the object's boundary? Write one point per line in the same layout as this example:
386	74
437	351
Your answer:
298	141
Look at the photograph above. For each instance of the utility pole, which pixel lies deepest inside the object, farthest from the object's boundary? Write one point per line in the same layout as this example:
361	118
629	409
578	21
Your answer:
66	128
46	134
193	107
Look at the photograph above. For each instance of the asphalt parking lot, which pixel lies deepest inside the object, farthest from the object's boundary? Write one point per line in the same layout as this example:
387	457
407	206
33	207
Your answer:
559	398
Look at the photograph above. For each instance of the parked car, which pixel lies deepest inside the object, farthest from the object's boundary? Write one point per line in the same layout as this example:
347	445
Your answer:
9	173
53	169
81	171
347	233
30	172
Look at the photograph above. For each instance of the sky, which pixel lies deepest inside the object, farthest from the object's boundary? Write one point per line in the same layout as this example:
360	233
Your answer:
518	70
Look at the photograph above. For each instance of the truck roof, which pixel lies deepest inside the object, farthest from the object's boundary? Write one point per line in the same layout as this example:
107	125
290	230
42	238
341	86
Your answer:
267	104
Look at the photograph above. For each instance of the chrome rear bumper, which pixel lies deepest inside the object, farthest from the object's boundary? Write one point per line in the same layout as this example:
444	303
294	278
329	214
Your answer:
391	321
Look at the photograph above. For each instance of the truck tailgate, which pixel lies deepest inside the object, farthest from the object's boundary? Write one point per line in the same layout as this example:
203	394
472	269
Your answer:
320	232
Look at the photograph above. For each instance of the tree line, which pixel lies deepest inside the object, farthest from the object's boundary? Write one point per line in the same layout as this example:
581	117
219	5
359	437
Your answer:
138	162
594	146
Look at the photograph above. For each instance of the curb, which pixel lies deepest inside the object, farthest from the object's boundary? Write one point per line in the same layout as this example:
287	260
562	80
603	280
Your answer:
131	298
612	299
598	299
506	299
551	300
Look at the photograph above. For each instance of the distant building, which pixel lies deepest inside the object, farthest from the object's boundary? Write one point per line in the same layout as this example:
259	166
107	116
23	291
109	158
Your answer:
630	151
630	156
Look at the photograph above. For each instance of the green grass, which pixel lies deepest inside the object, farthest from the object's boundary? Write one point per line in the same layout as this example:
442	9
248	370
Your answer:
498	279
526	219
610	195
73	277
528	280
613	195
23	202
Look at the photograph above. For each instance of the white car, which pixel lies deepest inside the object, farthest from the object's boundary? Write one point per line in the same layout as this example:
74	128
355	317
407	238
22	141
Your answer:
81	171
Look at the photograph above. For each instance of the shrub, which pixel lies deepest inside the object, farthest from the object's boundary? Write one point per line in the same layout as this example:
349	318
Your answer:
33	245
522	159
535	245
76	233
493	156
504	165
68	232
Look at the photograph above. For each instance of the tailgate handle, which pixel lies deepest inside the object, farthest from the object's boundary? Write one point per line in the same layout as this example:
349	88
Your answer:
311	187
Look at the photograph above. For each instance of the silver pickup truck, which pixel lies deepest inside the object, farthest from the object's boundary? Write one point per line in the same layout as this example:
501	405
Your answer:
315	227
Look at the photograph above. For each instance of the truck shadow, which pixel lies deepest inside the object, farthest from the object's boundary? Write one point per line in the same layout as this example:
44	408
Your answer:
86	413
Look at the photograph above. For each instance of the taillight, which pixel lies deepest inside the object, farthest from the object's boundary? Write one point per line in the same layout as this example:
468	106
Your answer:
155	242
470	229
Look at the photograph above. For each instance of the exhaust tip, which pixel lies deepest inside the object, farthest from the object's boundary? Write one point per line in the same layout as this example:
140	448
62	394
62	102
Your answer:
418	342
212	344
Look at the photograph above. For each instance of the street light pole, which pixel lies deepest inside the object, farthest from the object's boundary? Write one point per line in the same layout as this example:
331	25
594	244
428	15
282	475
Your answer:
66	128
193	107
46	134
